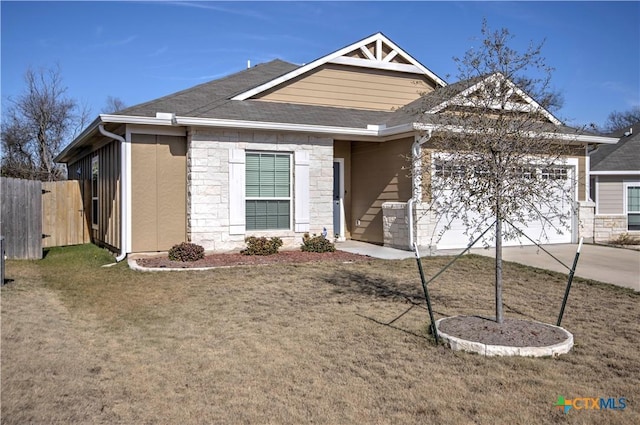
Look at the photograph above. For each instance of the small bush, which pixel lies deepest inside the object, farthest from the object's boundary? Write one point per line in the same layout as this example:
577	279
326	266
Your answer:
261	246
625	239
317	244
186	251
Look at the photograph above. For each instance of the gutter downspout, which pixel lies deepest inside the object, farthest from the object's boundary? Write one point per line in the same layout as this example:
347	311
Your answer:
417	190
123	190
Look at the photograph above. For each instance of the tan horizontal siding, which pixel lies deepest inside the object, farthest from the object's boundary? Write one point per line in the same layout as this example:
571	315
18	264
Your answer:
610	195
582	178
348	87
377	176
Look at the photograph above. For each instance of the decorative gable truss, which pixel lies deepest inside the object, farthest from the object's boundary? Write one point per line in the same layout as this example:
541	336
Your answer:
376	51
505	95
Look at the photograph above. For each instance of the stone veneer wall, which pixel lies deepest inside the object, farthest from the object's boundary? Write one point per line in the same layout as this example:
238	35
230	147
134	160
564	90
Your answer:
208	185
586	221
395	225
424	225
609	227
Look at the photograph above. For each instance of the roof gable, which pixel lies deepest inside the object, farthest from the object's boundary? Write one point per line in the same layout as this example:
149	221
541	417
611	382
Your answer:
469	93
375	51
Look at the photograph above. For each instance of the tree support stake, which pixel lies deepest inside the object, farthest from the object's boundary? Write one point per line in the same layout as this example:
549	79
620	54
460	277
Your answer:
569	281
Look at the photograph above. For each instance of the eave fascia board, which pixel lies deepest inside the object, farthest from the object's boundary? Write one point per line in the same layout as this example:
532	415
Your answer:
105	119
410	58
276	126
133	119
583	138
239	124
615	173
332	56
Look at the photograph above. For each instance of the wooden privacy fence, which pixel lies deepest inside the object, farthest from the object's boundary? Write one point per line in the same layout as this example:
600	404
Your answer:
21	218
63	219
36	215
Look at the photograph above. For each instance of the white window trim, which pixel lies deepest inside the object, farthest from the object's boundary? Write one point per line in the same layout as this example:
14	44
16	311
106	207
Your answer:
301	202
625	195
237	188
270	198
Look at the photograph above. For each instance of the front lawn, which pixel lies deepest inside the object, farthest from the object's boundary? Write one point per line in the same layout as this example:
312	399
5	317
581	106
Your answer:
298	343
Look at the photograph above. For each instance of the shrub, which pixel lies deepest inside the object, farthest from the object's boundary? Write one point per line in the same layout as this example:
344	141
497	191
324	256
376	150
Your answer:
317	244
625	239
261	246
186	251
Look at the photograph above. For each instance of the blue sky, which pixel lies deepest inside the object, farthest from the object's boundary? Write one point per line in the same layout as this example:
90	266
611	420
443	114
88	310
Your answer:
139	51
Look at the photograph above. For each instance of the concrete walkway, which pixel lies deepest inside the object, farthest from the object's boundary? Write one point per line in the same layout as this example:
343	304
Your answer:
375	251
616	266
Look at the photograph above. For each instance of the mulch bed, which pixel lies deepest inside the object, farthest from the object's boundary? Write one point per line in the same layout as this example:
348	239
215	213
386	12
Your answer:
227	260
513	332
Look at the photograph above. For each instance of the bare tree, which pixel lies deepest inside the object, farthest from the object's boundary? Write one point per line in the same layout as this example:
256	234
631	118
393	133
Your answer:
113	104
37	124
619	120
495	155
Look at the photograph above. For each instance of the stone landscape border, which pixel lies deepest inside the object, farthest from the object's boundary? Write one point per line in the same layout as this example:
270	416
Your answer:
460	344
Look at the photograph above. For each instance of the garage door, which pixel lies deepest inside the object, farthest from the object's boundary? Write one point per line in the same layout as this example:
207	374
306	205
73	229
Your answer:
540	231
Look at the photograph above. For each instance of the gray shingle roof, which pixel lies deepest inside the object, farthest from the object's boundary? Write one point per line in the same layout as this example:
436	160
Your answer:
192	101
623	156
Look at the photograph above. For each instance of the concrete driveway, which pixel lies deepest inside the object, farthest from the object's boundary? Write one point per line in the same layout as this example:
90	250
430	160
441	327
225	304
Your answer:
617	266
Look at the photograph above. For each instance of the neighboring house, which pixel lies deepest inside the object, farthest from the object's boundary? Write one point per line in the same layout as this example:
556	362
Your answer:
615	185
279	150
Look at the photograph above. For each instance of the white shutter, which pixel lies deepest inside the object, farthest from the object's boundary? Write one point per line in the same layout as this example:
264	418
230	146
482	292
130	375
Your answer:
236	192
301	192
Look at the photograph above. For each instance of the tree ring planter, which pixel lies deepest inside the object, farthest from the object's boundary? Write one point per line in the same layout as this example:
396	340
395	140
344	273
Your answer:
514	337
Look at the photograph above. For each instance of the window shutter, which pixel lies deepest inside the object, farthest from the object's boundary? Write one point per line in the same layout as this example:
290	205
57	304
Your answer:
301	185
236	191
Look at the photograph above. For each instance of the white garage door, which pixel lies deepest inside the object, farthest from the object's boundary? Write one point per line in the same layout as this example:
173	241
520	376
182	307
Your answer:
544	233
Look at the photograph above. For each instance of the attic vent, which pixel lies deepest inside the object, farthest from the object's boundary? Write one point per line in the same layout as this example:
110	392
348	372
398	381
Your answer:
629	133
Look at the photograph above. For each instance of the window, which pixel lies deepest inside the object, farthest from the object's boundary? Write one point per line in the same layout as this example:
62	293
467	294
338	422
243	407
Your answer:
94	192
268	191
633	207
447	170
557	173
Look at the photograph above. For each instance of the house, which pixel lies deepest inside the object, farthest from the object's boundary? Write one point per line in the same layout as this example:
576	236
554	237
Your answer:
615	185
279	150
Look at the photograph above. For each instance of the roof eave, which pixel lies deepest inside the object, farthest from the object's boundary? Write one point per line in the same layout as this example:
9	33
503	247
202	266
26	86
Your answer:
583	138
615	173
63	157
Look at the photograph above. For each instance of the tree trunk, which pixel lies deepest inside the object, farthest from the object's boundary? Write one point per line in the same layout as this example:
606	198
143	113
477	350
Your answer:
499	315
